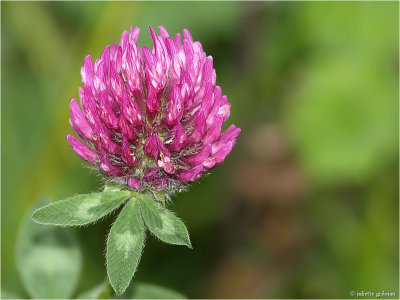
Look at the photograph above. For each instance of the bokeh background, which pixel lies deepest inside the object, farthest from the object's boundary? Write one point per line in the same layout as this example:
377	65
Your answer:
307	203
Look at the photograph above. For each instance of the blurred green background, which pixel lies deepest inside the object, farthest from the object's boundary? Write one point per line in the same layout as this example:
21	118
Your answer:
307	203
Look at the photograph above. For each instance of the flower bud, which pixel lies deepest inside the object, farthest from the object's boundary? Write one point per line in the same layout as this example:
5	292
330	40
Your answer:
152	118
82	150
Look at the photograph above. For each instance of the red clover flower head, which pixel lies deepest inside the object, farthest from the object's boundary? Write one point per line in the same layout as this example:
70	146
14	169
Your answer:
151	119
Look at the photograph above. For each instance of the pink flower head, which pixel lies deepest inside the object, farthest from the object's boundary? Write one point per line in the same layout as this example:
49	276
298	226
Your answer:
152	119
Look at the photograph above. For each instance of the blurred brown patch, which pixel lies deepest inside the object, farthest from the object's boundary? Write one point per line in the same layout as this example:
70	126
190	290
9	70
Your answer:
233	279
264	235
267	173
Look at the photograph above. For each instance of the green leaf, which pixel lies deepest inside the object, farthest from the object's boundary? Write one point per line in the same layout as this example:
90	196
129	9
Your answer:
152	291
124	246
48	259
81	209
163	223
8	295
101	291
142	290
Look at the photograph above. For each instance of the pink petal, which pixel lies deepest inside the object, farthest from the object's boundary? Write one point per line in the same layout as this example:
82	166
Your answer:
82	150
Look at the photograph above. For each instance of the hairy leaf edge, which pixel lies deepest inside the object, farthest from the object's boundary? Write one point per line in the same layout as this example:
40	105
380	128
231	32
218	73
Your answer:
76	225
189	245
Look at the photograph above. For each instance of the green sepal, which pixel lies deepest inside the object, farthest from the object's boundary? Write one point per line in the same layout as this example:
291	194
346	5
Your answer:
112	187
160	197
